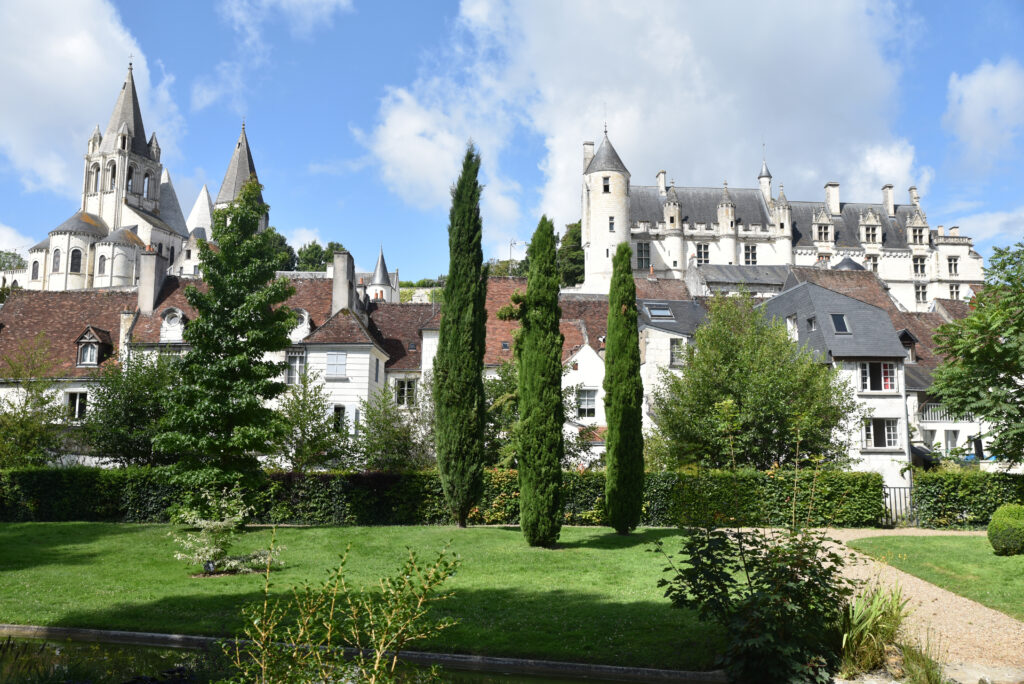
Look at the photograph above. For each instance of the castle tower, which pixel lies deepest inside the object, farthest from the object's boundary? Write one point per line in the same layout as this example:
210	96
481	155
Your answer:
380	288
605	212
121	166
727	226
783	215
240	169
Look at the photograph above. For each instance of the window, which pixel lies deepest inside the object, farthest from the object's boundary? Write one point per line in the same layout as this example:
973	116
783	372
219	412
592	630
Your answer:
870	233
952	437
339	418
921	293
131	179
675	352
195	270
405	392
188	255
112	173
504	346
919	265
606	182
878	376
643	255
750	255
160	250
586	402
812	323
823	234
412	346
611	224
56	260
376	370
35	270
87	354
917	236
145	186
296	367
659	311
703	253
839	323
336	364
954	265
172	254
671	220
95	184
102	266
954	292
77	405
871	262
881	433
76	261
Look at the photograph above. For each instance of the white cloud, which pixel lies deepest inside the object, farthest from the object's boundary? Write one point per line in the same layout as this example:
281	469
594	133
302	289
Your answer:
63	65
999	227
13	241
985	111
303	236
248	19
685	89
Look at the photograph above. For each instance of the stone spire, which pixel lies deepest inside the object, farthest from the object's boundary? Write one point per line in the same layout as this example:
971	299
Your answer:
240	169
170	208
726	200
764	170
380	274
201	215
126	119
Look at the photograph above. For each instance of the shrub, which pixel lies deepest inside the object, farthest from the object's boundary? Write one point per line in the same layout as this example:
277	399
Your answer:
963	498
871	622
1006	530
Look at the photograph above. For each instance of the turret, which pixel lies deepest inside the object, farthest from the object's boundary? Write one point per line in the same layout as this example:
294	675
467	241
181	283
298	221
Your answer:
783	216
727	224
380	288
605	211
764	180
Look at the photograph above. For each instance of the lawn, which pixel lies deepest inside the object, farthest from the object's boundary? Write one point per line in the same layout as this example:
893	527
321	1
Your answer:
963	565
593	599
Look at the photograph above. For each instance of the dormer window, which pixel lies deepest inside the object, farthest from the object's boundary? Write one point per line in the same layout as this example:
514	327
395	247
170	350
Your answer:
917	236
839	324
412	346
812	323
824	233
871	234
172	326
88	352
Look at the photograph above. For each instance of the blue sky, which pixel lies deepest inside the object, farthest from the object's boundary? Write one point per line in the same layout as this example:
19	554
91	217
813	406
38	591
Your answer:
358	113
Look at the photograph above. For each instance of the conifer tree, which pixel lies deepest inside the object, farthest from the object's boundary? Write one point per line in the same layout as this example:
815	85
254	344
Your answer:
538	352
219	416
459	364
623	397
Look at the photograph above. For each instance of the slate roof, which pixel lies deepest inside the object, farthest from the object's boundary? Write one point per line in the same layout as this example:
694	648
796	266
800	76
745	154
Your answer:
201	216
606	159
42	245
124	236
399	326
155	220
170	208
847	223
62	317
126	111
380	273
697	205
83	222
918	378
753	275
871	333
240	169
686	316
848	264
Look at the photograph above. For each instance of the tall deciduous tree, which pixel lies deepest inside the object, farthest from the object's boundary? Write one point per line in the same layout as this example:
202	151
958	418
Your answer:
285	255
538	352
219	415
313	257
570	255
31	413
11	261
984	352
623	399
458	365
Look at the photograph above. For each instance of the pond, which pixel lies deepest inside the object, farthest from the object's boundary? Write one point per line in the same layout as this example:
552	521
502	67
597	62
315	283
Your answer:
51	662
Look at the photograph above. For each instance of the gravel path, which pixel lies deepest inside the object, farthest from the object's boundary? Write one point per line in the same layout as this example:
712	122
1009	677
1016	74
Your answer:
967	633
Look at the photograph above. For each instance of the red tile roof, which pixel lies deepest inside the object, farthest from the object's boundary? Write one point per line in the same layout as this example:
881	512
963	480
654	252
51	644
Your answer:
660	288
953	309
399	327
344	327
862	285
62	317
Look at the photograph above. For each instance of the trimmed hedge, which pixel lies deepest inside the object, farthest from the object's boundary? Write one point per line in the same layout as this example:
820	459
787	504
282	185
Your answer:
1006	530
964	498
745	497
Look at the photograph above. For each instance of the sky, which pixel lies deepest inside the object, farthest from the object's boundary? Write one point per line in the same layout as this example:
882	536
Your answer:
358	113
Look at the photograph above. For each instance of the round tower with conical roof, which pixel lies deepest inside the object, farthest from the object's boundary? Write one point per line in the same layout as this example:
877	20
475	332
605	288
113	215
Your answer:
605	211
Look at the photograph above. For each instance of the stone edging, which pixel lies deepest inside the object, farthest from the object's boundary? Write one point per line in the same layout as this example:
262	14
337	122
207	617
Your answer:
455	661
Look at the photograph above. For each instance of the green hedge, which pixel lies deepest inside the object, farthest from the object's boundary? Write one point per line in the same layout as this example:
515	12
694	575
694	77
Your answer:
965	498
670	499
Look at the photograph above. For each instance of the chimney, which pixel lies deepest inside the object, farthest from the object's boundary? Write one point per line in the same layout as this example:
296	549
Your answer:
915	199
888	200
955	231
588	154
832	197
942	230
125	332
661	183
152	271
343	294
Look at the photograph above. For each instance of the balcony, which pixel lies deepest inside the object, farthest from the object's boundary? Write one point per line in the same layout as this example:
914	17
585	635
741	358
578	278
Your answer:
937	413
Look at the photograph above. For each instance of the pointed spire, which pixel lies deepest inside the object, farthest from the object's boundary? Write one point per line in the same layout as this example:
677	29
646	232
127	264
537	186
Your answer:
764	170
201	215
782	196
380	274
240	169
170	208
126	116
606	159
726	197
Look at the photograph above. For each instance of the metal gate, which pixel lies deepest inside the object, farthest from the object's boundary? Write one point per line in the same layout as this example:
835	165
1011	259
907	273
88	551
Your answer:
900	508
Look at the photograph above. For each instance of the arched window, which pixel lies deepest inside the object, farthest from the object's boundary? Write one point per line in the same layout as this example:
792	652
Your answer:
56	260
145	186
35	270
112	172
131	179
14	284
172	254
160	250
124	142
95	184
102	266
76	261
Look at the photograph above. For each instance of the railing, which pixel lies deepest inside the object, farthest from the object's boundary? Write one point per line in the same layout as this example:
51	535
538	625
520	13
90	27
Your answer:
937	413
899	507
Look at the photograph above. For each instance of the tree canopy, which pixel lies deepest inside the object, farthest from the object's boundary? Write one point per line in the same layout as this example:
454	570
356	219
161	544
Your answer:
983	372
746	388
285	255
570	255
313	257
31	415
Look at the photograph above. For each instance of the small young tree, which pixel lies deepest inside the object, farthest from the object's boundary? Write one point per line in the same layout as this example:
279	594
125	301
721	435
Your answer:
538	352
219	414
126	405
31	412
623	400
458	365
387	437
310	438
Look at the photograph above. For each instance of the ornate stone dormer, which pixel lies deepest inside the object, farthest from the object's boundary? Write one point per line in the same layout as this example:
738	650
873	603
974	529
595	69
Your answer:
823	230
917	228
870	226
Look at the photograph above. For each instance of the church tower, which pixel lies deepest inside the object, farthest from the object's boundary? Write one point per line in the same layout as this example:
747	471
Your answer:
121	166
605	212
240	169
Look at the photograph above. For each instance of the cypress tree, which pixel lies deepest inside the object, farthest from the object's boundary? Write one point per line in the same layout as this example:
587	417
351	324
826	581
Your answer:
538	354
459	364
623	396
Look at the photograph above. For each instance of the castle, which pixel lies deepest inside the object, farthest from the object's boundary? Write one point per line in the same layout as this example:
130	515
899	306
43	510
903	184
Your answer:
675	232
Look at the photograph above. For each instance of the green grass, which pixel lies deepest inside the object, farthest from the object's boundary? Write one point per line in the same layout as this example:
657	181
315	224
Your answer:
963	565
593	599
